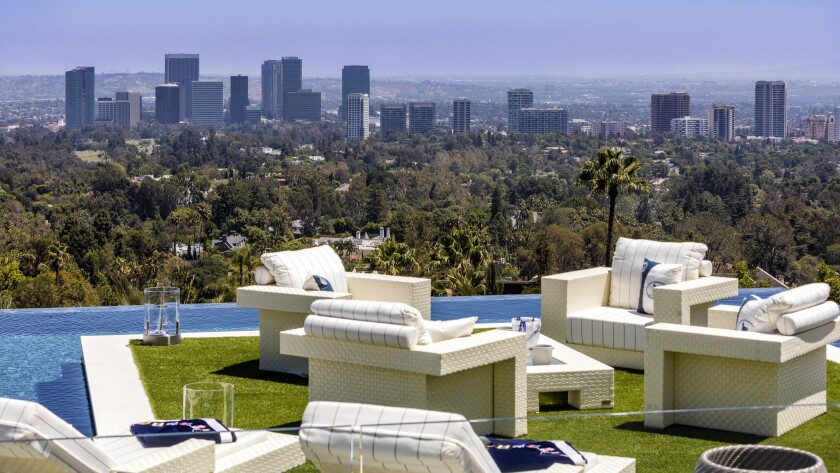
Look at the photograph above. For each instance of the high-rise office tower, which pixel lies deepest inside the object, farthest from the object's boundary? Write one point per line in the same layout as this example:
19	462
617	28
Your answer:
771	108
271	89
722	122
78	97
291	80
354	80
392	120
182	69
461	115
303	105
135	106
122	113
238	98
689	127
820	128
666	107
253	114
543	120
837	124
358	116
106	111
208	105
168	103
517	100
421	117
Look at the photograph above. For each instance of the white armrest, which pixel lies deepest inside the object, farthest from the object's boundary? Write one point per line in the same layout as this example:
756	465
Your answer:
416	292
687	303
570	292
190	455
282	298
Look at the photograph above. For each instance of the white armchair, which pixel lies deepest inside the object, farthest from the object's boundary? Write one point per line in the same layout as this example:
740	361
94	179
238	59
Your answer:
595	313
285	308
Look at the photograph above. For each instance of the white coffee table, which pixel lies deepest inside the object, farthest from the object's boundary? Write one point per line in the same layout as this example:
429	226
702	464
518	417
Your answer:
588	381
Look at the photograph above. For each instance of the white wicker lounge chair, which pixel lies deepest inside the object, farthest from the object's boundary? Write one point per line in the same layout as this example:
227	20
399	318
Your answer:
30	433
285	308
594	310
335	436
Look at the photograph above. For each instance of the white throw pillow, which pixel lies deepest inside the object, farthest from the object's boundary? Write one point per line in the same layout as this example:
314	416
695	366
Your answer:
656	274
797	299
806	319
630	255
263	276
370	311
752	316
293	268
440	330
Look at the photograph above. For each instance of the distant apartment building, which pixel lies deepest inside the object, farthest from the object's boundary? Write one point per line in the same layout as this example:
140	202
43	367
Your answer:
358	116
167	103
837	124
182	69
722	122
238	98
690	127
253	114
518	99
354	80
821	128
770	109
579	126
271	88
78	97
609	128
421	117
135	108
461	115
291	80
208	105
543	120
393	119
303	105
106	111
666	107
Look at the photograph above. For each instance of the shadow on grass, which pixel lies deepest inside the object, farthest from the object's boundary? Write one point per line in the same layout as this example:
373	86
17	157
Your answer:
287	425
698	433
251	370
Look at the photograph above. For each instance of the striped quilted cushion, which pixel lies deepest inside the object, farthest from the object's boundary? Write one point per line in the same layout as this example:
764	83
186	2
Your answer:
629	256
392	438
369	311
608	327
796	299
371	333
294	268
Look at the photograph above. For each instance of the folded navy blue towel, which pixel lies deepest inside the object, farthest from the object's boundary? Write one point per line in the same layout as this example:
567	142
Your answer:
207	429
523	455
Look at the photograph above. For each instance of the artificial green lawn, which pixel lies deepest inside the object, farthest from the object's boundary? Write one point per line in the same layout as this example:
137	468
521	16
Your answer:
266	399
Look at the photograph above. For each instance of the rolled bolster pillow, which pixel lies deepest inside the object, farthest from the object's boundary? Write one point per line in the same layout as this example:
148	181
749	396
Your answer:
797	299
369	311
804	320
370	333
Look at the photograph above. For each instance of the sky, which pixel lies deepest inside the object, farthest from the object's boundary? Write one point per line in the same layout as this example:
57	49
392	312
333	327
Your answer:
426	38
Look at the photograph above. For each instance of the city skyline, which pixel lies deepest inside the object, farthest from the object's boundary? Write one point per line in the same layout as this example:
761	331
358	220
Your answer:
46	39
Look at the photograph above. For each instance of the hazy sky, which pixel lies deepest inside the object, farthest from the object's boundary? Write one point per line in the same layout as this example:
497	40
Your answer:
418	38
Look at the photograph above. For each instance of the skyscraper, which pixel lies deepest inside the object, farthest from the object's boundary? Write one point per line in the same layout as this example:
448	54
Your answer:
134	109
666	107
689	127
291	80
354	80
78	97
722	122
358	116
168	103
392	119
421	117
517	100
238	98
271	89
106	111
182	69
820	128
837	124
303	105
207	102
771	109
543	120
461	115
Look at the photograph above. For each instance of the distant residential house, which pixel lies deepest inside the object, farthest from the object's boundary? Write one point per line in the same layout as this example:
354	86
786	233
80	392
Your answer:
226	243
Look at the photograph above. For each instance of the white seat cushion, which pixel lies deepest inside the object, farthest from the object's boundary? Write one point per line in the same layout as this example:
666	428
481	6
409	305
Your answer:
293	268
609	327
629	256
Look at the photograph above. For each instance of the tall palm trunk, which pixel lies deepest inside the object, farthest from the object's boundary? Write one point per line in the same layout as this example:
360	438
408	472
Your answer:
613	195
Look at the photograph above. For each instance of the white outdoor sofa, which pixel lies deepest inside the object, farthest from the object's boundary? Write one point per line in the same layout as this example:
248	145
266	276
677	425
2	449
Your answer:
345	437
285	308
33	439
594	311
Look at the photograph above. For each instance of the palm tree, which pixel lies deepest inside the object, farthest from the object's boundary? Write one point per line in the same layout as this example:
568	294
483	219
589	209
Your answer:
59	258
609	172
244	259
393	258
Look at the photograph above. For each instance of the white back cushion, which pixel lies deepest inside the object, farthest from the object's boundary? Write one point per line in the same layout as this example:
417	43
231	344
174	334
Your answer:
629	256
293	268
369	311
370	333
392	438
796	299
806	319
